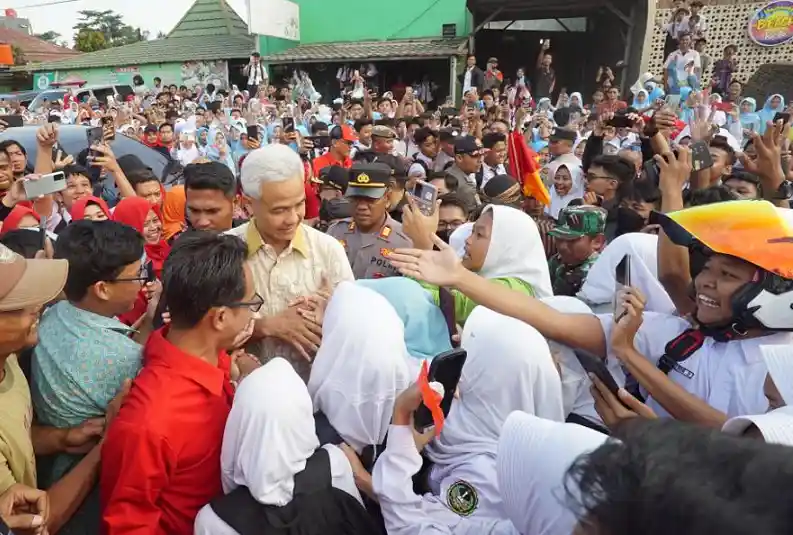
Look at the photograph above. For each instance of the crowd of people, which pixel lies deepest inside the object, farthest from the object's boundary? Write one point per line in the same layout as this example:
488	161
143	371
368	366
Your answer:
244	350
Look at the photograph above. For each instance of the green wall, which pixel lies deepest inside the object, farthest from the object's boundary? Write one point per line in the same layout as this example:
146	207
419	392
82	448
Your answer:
169	72
325	21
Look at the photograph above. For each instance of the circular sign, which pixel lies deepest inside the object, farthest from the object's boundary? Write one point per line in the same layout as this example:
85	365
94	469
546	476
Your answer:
43	81
772	25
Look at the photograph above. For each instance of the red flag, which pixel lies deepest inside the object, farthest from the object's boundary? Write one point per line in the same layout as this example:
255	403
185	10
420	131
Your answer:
525	166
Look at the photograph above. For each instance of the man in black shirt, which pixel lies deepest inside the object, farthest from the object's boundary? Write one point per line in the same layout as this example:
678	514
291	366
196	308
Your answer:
544	76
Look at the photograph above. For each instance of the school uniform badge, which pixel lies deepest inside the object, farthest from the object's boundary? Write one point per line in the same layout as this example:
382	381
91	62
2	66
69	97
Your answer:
462	498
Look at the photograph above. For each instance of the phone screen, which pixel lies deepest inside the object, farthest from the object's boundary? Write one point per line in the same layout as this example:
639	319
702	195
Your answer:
622	278
253	132
446	369
700	156
289	124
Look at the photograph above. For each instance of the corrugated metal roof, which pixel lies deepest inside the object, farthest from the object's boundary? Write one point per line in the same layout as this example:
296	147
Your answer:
210	30
33	48
368	50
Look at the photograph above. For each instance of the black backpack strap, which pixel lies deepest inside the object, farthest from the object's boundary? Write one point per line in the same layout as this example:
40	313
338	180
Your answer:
325	431
446	304
680	349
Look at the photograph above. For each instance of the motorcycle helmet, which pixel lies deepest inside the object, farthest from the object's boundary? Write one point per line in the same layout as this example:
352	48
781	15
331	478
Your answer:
756	232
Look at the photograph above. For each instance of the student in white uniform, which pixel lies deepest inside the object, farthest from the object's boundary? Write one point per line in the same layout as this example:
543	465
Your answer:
532	456
509	368
703	374
360	368
269	448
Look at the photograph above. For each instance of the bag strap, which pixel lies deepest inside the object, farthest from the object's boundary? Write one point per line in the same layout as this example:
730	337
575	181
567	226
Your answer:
446	304
680	349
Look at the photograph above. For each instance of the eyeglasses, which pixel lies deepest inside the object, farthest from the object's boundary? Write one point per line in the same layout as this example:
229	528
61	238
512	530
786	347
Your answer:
254	306
146	274
590	178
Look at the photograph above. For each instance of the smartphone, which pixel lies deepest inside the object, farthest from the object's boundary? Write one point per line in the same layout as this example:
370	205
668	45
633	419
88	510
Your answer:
781	116
148	271
445	369
43	233
95	135
595	365
12	121
108	129
320	142
447	306
289	124
672	102
45	185
723	106
622	278
700	156
448	111
620	121
425	195
253	132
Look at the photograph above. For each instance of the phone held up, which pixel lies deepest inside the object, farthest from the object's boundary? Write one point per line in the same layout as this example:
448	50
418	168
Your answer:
446	369
425	196
45	185
622	278
596	366
95	136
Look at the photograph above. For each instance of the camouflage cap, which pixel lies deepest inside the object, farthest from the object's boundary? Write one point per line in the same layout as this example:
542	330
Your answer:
578	221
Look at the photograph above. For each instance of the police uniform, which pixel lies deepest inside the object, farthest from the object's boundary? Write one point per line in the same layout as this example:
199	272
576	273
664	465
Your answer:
575	222
368	252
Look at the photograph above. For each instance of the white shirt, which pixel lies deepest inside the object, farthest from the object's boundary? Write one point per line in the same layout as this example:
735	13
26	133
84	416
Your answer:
441	161
207	522
467	79
489	172
679	61
406	513
728	376
256	74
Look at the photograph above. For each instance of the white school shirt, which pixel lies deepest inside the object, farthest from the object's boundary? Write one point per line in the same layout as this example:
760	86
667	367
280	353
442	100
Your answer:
728	376
257	74
406	513
467	79
489	172
680	60
207	522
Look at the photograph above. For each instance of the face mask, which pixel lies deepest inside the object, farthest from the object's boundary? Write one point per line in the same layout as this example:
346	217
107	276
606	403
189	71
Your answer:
628	221
444	235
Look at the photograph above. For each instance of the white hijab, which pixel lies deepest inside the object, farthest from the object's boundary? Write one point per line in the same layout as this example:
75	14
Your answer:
269	434
598	288
576	191
776	426
779	360
516	250
533	457
459	236
509	368
361	366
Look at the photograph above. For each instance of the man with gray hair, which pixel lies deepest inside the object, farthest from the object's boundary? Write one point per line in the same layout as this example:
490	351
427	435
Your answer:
289	260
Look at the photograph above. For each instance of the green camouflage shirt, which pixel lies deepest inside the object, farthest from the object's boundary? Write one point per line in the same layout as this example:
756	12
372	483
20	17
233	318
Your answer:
567	280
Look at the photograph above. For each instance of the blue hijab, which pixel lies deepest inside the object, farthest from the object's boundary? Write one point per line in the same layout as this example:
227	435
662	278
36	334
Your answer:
426	333
686	112
656	92
750	120
768	112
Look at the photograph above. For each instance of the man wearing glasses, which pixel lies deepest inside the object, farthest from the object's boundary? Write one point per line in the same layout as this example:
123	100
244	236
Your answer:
84	353
161	458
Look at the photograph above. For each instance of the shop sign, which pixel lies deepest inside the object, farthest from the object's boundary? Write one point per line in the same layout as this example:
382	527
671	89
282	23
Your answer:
772	25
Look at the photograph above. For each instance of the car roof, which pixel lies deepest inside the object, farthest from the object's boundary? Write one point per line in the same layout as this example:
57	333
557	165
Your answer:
73	139
101	86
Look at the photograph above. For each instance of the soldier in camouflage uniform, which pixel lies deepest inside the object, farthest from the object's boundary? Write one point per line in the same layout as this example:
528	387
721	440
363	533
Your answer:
580	235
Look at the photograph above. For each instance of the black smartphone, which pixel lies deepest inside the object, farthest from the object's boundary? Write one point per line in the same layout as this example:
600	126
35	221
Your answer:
700	156
148	271
320	142
446	304
622	280
43	233
448	112
95	135
253	132
445	369
782	116
289	124
12	121
594	365
620	121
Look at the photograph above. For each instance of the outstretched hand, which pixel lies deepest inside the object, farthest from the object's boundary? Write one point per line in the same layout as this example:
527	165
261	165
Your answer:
442	268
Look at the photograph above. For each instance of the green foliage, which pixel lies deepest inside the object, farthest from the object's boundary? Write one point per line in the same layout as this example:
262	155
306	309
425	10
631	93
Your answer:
50	36
97	30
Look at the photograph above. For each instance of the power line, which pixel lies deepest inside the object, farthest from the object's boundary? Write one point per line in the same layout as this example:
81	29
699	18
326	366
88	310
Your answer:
45	4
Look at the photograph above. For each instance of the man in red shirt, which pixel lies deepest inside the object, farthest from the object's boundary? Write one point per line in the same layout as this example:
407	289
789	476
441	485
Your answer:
161	456
612	104
341	140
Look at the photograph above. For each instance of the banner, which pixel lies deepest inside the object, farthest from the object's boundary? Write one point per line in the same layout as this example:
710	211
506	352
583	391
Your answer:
274	18
772	25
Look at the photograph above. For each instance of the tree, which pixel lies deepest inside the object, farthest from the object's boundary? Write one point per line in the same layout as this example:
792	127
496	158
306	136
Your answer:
109	25
89	41
161	35
50	36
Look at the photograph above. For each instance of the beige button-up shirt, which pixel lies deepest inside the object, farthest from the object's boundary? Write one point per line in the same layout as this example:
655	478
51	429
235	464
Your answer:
282	278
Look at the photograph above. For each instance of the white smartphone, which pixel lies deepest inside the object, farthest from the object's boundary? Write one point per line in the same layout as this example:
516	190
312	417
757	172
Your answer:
425	195
45	185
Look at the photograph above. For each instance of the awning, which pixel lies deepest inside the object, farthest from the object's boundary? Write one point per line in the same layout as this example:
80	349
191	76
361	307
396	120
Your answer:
396	50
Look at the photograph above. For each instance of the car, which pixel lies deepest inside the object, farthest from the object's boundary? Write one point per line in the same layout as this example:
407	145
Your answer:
73	139
100	92
23	97
50	95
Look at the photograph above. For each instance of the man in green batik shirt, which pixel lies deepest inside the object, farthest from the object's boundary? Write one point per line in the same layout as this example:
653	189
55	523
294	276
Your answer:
579	238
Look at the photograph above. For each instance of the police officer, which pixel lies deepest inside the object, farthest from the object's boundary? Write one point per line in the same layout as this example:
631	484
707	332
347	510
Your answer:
370	235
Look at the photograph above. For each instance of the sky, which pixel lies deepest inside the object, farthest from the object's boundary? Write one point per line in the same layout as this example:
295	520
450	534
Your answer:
152	15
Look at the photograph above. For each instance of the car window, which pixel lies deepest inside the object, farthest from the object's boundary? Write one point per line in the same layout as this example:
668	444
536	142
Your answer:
124	91
83	96
102	94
